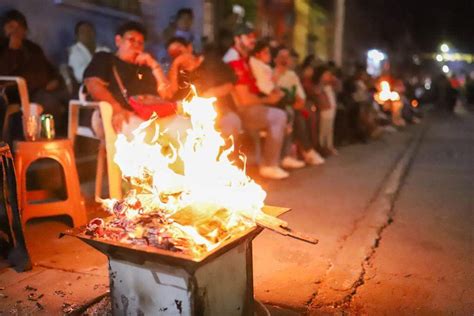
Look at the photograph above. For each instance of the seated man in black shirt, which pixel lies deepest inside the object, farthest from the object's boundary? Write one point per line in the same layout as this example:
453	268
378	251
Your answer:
139	72
212	78
21	57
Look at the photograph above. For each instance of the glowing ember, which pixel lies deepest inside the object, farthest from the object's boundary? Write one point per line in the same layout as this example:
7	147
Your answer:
187	194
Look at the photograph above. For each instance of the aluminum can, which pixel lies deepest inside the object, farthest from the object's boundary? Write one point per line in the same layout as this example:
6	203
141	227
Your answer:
47	126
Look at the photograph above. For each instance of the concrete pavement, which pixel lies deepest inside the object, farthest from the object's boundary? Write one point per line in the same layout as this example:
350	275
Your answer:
66	274
424	263
334	202
408	252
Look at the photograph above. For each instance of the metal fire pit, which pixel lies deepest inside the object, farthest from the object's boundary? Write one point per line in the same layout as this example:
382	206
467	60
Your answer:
151	281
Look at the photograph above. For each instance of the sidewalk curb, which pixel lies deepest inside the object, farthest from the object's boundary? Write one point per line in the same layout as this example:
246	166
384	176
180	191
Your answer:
347	271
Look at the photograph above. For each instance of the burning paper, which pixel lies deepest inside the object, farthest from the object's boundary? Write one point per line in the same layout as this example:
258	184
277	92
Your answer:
187	194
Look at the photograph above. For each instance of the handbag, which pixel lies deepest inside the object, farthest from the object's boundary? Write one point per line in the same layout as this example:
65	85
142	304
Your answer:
144	105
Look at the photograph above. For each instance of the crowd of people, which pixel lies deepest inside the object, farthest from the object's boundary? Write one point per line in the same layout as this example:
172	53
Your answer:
285	110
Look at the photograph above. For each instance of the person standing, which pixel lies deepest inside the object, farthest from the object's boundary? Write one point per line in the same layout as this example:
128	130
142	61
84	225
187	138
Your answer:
180	26
326	100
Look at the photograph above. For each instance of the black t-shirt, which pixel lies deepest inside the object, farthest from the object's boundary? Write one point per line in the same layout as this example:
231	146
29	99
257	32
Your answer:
214	72
136	79
28	62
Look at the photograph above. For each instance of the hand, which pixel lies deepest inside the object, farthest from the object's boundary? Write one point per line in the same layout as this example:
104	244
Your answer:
275	96
118	118
145	59
15	42
299	104
188	61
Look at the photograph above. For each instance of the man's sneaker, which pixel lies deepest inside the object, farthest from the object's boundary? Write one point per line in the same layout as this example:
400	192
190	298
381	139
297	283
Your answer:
291	163
275	173
311	157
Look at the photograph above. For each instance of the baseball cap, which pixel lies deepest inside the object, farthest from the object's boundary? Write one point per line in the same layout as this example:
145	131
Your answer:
243	29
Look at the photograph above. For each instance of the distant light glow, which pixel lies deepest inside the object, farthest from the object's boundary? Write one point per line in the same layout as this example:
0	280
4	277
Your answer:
444	48
416	60
439	57
427	83
445	69
414	103
376	55
374	62
468	58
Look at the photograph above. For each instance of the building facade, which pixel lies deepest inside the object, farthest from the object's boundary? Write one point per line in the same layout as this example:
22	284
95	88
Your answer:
51	22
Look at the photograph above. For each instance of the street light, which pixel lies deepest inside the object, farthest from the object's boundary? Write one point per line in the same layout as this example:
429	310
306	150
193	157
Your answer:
445	69
439	57
444	48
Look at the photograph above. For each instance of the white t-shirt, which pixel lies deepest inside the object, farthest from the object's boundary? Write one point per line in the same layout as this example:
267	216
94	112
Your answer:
231	55
263	74
80	57
331	96
289	80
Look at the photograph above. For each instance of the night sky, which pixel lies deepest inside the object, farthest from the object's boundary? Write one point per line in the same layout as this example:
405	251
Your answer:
423	23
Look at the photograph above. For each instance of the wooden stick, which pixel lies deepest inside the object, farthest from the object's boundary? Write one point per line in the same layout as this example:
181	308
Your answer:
280	226
286	231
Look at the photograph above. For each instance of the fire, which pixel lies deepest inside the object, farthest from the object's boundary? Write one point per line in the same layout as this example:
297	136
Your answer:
200	194
385	94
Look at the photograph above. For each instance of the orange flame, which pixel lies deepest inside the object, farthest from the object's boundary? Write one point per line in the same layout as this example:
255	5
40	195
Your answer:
192	173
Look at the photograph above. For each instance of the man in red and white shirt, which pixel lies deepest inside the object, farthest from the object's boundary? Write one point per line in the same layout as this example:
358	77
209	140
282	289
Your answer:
257	112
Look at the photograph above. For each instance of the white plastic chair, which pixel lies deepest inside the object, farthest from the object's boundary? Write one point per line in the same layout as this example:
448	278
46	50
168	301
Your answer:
106	147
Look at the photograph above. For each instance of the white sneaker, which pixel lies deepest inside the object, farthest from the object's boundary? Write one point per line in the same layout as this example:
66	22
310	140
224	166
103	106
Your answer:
311	157
390	129
275	173
292	163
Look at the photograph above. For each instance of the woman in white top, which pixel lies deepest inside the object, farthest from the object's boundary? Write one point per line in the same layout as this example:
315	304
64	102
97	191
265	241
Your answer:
327	103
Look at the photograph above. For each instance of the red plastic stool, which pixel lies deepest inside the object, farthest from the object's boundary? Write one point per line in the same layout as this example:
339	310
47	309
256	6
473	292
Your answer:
60	150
